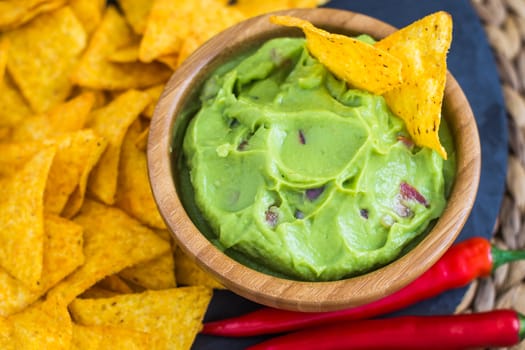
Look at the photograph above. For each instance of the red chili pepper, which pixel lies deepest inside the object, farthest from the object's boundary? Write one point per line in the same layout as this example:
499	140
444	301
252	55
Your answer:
462	263
465	331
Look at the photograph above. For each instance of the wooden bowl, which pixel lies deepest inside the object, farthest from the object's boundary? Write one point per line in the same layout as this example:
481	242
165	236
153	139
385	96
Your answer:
164	149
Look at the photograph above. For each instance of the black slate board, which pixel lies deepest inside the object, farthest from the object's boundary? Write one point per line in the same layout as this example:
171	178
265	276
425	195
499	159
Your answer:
471	62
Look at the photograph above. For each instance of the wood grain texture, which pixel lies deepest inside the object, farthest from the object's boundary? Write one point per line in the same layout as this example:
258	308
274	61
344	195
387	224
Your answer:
163	147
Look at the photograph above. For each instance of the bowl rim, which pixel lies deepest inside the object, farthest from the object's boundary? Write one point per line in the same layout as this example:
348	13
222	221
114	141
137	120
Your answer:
267	289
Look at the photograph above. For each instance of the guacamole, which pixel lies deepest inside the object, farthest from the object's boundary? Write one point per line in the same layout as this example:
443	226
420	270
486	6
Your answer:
300	176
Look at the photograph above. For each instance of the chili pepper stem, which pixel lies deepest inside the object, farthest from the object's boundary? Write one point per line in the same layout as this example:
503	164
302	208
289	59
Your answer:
501	257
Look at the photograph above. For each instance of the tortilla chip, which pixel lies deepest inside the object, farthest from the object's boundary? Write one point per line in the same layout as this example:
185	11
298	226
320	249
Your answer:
13	106
13	156
76	154
113	94
190	274
361	65
142	140
96	71
125	54
252	8
42	55
154	93
115	284
112	122
44	325
22	219
100	337
155	274
88	12
136	13
171	61
191	44
101	97
423	47
63	118
164	234
134	194
6	335
96	292
62	255
14	13
5	133
172	317
63	249
112	242
213	18
4	48
176	29
92	152
164	34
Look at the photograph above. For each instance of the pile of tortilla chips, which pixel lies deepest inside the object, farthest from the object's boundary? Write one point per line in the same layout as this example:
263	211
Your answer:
85	259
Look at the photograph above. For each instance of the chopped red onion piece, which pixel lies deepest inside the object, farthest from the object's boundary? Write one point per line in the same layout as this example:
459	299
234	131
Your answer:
407	141
409	192
314	193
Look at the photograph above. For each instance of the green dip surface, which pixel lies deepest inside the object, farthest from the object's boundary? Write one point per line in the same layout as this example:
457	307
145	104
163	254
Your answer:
299	176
